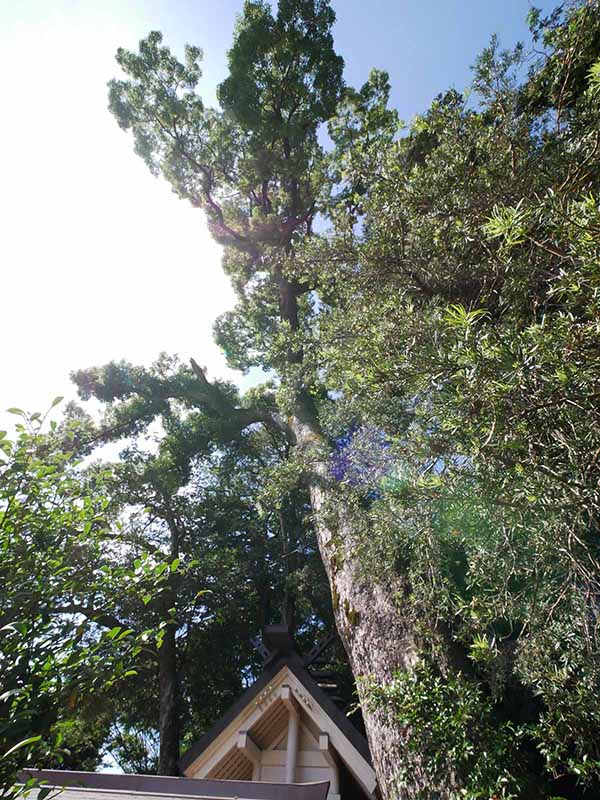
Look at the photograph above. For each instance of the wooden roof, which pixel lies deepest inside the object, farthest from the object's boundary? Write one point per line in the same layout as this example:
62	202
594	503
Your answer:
108	786
291	662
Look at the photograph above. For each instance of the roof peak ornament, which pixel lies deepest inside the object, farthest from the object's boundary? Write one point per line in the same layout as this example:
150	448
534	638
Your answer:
277	640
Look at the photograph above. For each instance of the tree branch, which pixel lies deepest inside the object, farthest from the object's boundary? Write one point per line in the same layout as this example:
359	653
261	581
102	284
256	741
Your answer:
241	418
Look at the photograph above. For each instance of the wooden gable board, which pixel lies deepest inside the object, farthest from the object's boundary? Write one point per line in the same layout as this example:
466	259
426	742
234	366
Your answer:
256	702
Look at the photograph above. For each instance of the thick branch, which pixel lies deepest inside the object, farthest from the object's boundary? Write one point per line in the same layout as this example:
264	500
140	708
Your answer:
238	418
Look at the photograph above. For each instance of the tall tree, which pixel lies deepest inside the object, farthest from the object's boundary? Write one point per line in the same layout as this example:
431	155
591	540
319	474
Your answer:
258	171
414	226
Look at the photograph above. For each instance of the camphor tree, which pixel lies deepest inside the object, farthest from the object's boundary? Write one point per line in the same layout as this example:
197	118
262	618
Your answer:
258	171
452	308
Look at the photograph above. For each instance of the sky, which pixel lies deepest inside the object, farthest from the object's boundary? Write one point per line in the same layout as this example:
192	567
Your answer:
99	260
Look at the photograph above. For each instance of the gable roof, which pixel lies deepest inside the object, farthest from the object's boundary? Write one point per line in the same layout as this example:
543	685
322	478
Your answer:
109	786
295	665
291	662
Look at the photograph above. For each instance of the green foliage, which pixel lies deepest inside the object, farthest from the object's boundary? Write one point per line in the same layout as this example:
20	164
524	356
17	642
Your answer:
594	79
54	656
450	301
134	749
480	750
570	37
284	76
211	498
362	131
471	297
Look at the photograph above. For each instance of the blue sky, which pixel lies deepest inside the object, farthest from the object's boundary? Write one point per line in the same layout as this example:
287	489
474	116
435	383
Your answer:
99	260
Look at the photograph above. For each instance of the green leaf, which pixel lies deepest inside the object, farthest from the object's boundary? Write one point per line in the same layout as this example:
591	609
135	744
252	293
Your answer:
19	745
5	695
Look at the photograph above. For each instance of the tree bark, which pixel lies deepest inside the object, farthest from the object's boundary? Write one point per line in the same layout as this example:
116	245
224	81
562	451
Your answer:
376	634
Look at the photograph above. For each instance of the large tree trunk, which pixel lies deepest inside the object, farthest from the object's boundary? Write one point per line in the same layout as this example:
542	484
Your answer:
375	634
369	615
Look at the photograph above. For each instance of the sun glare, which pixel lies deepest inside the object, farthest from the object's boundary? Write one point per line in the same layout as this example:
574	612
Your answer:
100	260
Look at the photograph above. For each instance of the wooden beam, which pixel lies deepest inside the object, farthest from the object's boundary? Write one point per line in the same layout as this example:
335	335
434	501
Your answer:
249	748
289	700
327	750
291	755
344	748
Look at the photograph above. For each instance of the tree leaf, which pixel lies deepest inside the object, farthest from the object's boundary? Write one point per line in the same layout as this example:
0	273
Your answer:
19	745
